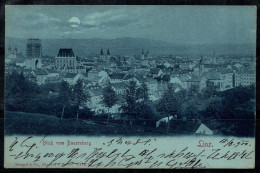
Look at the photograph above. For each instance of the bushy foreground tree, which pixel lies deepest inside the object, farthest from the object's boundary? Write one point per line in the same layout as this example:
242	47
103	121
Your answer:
79	96
109	98
137	104
20	93
168	104
25	96
65	95
130	107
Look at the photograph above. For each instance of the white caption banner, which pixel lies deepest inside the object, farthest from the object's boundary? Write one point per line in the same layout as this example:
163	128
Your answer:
128	152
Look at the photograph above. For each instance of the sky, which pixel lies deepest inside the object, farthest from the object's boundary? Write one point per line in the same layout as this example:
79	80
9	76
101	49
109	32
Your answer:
173	24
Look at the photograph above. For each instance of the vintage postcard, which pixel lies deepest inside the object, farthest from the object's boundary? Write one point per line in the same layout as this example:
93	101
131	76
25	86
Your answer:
130	87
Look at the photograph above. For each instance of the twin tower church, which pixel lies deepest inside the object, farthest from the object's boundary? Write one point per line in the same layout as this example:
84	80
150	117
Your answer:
102	56
67	61
64	61
108	55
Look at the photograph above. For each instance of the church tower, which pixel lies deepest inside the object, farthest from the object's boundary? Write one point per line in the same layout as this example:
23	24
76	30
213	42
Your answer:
252	59
201	66
9	50
15	51
214	61
147	53
108	54
142	54
101	56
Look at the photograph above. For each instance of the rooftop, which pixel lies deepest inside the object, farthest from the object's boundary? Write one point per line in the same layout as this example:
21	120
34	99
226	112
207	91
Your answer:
183	78
246	72
117	76
40	72
120	85
66	53
128	76
151	80
213	75
34	41
195	79
140	78
51	71
154	70
70	75
96	92
225	71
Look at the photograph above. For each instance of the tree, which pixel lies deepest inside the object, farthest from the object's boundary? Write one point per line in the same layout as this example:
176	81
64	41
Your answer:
190	111
80	96
238	105
214	110
142	92
182	95
50	87
193	91
166	78
209	91
143	107
20	93
168	104
65	95
109	98
131	97
238	102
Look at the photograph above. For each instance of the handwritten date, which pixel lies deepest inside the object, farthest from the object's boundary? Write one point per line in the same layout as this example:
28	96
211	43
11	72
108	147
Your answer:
135	153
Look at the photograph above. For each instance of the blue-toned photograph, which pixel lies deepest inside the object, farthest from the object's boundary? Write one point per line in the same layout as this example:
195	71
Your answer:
130	70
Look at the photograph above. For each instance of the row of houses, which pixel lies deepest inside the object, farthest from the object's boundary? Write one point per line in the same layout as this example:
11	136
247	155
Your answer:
222	78
97	73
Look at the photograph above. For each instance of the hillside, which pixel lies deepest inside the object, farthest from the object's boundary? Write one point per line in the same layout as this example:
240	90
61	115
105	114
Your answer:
130	46
24	123
41	124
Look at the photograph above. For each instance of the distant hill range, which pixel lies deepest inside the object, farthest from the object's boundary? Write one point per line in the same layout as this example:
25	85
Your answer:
132	46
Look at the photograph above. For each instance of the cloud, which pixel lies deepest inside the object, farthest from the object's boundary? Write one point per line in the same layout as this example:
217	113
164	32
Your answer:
43	24
37	25
111	18
172	24
54	19
39	18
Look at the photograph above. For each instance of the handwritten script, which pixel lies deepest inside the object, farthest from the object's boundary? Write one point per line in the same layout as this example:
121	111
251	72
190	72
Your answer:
120	152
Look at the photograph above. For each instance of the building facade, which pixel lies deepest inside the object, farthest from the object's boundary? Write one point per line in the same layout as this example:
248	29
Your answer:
66	61
244	78
34	48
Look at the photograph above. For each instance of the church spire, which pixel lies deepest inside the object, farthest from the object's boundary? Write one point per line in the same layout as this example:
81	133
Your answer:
201	60
214	61
15	51
9	50
142	54
201	66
